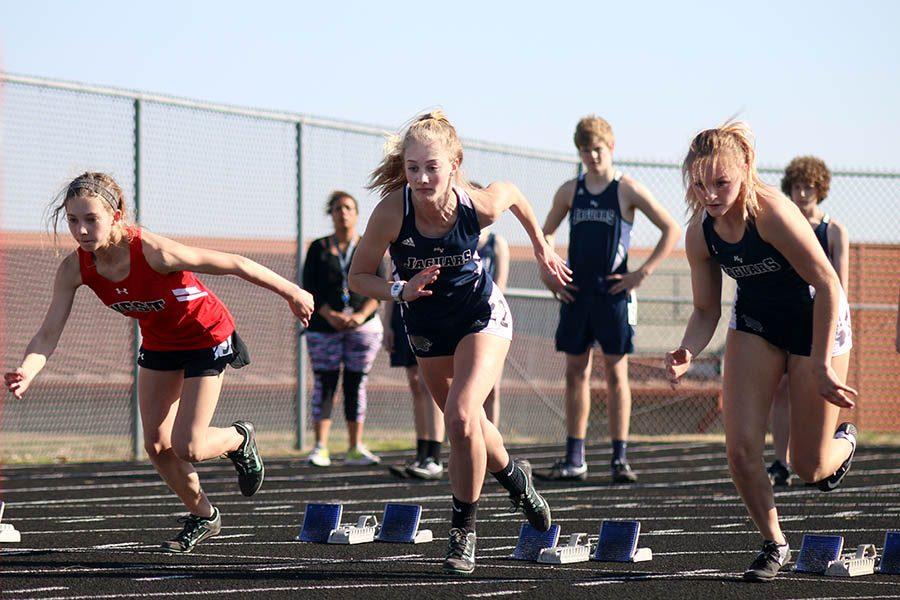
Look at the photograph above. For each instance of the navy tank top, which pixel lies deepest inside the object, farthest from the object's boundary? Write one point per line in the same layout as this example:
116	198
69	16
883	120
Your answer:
488	254
599	237
463	287
762	273
821	231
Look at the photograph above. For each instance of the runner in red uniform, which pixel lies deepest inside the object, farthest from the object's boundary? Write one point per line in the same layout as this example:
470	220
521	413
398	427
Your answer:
188	338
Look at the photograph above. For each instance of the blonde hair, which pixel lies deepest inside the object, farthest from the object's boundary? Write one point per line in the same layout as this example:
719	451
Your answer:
593	127
89	185
732	141
433	126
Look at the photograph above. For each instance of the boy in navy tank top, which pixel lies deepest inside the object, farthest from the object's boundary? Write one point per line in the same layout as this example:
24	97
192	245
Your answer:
600	305
806	182
187	339
457	321
749	231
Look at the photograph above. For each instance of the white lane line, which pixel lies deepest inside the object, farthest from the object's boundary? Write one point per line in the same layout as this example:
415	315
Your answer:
30	590
163	577
489	594
251	590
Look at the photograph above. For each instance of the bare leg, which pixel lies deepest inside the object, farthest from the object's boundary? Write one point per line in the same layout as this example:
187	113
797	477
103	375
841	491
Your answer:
492	404
618	405
322	430
192	438
578	394
752	370
475	444
781	420
815	453
428	417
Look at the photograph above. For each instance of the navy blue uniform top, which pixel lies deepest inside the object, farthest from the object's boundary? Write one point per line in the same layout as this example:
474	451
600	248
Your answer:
599	237
463	287
821	231
488	254
762	273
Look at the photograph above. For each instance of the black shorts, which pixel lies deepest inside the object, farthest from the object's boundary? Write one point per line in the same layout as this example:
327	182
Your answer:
402	356
198	363
608	320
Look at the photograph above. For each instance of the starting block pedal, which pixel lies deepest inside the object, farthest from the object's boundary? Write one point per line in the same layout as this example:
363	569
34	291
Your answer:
361	533
862	563
817	552
8	533
890	556
319	520
619	543
573	552
400	525
532	542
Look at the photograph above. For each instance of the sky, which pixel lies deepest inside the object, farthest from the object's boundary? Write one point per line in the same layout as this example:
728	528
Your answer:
817	78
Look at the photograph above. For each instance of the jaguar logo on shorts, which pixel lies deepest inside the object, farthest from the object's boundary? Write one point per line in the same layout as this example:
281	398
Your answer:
420	343
752	323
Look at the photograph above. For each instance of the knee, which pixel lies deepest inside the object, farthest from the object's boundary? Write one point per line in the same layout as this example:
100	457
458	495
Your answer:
808	468
154	449
576	375
187	450
743	458
462	425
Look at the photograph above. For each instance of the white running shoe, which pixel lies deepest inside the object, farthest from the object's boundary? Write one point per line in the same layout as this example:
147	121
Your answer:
319	457
428	469
359	456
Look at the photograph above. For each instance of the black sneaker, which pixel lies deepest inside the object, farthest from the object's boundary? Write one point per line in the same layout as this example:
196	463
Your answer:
196	529
768	562
621	472
247	461
779	474
460	552
536	509
563	471
848	431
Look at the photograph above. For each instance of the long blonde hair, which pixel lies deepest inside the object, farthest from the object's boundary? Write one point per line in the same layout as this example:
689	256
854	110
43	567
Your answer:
733	141
433	126
87	185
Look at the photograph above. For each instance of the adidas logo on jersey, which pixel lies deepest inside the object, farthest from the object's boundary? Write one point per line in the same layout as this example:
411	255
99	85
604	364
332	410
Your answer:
594	203
409	242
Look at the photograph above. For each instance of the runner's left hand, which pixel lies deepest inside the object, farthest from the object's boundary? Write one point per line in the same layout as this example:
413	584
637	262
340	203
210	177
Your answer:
627	282
553	268
302	305
831	389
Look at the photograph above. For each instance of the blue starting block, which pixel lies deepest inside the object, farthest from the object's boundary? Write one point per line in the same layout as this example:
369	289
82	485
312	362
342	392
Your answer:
817	551
619	543
532	542
890	556
319	521
400	525
8	533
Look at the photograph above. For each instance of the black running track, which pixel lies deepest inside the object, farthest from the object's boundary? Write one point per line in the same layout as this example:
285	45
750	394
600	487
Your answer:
90	531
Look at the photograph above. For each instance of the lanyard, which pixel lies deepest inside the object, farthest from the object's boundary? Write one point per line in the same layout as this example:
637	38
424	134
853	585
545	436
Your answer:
344	261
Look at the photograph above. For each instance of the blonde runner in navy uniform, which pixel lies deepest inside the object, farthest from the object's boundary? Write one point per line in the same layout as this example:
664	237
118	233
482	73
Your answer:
458	323
759	238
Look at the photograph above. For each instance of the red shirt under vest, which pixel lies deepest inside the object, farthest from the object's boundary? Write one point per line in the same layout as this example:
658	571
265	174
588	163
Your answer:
175	311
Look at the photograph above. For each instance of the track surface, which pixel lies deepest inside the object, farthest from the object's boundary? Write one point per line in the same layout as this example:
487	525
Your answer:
90	531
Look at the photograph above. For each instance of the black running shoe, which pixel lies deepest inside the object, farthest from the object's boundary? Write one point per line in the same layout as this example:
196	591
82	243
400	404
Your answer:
621	472
849	432
779	474
196	529
247	461
563	471
768	562
460	552
536	509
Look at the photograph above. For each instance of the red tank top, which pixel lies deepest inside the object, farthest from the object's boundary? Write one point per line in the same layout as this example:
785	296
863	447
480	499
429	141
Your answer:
175	311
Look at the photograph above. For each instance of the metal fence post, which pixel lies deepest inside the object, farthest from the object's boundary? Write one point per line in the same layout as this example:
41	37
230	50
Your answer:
137	444
301	339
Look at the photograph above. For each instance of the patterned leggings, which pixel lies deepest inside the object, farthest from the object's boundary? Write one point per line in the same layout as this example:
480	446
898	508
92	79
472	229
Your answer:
356	349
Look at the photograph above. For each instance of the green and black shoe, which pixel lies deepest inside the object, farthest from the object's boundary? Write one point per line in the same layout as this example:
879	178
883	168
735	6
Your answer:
247	461
196	529
536	509
460	558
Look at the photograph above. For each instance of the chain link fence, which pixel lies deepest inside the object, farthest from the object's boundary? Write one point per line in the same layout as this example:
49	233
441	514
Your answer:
255	183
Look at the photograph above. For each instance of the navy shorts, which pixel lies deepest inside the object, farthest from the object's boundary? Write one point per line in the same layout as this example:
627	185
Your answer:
402	356
607	320
204	362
